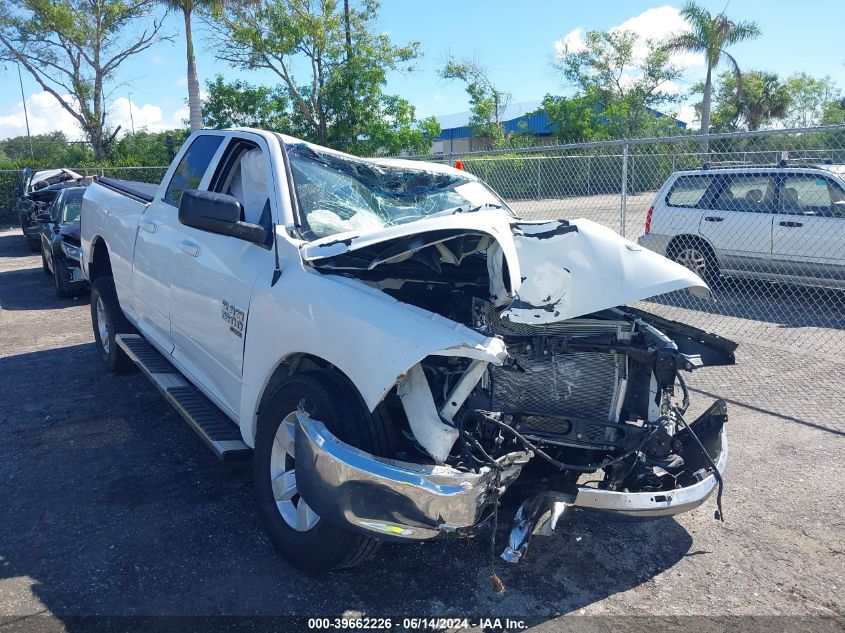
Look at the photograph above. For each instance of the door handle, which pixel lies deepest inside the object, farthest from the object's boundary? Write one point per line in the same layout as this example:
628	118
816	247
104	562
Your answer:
149	225
713	218
791	224
190	248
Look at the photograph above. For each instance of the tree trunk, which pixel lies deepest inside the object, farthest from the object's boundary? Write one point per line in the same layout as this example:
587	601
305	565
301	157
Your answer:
705	110
353	132
194	104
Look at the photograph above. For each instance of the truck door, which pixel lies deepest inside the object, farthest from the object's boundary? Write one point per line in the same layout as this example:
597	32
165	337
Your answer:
214	276
156	251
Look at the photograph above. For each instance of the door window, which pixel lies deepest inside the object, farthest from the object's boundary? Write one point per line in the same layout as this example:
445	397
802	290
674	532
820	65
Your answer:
808	194
243	174
688	191
752	193
191	168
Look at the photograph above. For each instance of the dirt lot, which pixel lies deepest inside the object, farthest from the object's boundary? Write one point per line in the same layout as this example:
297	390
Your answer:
112	506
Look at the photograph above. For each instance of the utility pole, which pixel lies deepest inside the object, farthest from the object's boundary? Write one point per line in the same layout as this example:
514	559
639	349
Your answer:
131	118
25	114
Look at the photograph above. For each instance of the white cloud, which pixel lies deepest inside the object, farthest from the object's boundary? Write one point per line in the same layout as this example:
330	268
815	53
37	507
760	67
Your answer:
572	42
656	23
687	114
45	115
147	116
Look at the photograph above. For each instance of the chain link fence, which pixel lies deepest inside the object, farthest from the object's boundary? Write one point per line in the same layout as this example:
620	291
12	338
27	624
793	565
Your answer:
760	215
9	178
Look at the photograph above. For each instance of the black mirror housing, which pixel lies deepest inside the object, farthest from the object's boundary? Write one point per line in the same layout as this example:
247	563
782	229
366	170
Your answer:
219	213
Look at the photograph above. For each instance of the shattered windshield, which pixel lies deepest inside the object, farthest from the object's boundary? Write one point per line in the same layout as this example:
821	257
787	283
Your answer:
338	193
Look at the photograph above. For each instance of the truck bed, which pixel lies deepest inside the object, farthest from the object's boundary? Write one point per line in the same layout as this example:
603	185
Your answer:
141	191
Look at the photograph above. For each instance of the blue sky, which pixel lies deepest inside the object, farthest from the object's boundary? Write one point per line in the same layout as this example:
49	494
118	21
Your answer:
516	41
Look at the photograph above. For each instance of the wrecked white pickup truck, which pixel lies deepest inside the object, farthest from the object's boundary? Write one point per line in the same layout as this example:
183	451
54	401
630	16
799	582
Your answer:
394	349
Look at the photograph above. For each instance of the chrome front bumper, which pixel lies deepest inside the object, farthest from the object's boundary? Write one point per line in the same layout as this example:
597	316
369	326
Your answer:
653	504
387	498
397	500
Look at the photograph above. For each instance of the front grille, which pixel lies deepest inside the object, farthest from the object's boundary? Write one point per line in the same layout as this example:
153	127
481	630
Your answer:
580	385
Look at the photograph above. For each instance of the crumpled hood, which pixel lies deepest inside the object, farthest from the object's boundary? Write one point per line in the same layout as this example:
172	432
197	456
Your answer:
540	272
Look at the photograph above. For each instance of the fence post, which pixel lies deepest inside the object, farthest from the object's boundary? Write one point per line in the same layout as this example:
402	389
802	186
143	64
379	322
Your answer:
539	160
623	207
589	171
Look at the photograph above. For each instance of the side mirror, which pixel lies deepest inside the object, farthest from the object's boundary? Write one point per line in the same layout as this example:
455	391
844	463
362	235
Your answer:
43	218
219	213
838	209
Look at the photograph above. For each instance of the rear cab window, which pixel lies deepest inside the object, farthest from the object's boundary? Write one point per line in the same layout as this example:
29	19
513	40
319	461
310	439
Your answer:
688	191
192	167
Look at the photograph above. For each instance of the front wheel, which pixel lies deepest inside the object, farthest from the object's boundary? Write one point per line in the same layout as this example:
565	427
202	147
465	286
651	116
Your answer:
697	257
108	320
296	531
60	278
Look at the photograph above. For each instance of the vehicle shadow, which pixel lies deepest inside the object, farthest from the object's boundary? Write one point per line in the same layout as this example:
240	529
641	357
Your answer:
12	244
119	510
32	289
787	305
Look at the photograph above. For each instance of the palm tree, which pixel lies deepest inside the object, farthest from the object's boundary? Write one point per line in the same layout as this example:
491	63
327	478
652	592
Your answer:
710	34
187	8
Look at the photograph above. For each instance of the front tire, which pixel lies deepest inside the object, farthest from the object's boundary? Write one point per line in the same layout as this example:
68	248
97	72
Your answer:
297	533
108	320
697	256
60	279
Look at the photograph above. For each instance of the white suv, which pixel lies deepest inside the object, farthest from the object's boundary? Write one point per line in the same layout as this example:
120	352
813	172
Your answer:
784	223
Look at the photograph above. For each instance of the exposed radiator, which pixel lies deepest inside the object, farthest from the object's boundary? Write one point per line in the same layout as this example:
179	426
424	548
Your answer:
580	385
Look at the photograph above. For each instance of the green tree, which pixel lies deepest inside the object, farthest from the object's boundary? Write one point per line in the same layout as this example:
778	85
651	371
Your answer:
51	150
187	8
240	104
710	35
74	48
612	75
834	112
487	101
145	148
810	97
764	98
304	43
575	119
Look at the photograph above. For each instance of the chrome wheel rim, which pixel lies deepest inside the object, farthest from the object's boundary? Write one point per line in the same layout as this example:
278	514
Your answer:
102	328
692	259
293	508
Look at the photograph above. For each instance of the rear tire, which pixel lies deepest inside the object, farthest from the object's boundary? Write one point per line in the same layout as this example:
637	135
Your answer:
312	545
108	320
695	255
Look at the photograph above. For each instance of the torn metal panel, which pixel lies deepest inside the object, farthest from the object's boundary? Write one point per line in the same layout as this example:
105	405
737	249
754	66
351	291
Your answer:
434	436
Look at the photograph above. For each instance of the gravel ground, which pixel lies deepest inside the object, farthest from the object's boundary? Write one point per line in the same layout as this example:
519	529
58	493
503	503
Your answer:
112	506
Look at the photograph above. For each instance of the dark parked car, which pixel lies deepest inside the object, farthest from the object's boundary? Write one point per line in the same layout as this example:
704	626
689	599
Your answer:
60	249
34	192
